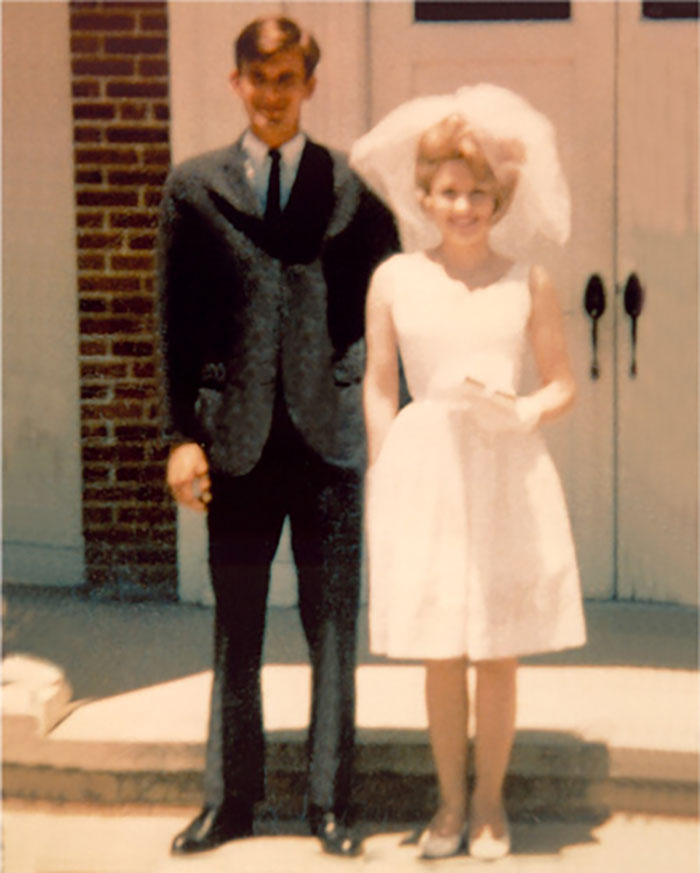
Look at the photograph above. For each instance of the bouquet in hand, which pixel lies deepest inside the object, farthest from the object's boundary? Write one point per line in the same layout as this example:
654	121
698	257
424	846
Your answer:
496	410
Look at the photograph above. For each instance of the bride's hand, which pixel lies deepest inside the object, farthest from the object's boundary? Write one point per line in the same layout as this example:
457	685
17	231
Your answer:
497	414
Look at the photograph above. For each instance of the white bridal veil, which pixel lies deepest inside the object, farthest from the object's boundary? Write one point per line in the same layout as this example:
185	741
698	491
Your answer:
540	207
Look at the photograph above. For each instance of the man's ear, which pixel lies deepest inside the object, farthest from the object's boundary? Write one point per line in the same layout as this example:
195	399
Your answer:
235	80
310	86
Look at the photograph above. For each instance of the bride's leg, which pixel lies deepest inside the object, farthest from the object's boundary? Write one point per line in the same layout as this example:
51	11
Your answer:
447	705
495	727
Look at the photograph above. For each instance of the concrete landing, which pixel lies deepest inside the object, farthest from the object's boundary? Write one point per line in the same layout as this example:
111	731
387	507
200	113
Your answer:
613	726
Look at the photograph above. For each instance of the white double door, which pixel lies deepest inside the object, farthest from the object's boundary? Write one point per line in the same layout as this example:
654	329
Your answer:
622	92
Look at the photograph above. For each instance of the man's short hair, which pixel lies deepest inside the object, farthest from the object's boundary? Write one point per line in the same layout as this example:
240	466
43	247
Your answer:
264	37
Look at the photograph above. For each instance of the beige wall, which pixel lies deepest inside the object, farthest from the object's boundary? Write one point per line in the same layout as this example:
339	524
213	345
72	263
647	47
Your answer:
42	540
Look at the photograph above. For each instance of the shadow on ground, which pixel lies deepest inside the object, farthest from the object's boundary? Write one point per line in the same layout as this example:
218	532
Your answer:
108	648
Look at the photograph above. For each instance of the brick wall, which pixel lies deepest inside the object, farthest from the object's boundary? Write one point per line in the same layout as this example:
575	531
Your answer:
121	148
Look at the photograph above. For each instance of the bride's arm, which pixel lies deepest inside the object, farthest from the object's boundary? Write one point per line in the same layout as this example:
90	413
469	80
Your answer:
380	388
549	345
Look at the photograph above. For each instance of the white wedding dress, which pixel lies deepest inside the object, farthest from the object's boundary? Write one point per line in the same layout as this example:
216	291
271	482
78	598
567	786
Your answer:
469	543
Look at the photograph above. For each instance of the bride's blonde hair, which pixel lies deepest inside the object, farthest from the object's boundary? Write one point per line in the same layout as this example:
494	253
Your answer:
452	139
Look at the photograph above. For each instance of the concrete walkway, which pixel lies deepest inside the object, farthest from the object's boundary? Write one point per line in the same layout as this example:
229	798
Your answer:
613	726
74	840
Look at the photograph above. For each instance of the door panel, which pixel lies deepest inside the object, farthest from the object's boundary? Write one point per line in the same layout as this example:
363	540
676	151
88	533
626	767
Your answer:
564	68
657	239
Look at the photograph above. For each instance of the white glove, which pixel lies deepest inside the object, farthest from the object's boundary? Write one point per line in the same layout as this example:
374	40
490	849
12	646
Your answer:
497	413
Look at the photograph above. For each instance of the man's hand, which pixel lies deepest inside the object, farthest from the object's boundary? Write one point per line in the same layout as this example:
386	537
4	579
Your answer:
188	476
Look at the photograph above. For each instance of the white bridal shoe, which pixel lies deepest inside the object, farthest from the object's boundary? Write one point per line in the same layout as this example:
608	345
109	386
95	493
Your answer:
435	845
486	847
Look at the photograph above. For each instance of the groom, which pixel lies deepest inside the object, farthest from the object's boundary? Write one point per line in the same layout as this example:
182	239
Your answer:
266	249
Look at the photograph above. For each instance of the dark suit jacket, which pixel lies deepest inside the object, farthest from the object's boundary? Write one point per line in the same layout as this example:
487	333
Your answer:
244	310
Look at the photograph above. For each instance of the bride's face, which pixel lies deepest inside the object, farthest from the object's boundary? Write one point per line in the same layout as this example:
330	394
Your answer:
460	205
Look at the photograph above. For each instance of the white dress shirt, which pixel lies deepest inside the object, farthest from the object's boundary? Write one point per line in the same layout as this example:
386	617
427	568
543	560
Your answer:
257	164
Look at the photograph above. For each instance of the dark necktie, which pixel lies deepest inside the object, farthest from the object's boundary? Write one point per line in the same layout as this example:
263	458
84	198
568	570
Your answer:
273	211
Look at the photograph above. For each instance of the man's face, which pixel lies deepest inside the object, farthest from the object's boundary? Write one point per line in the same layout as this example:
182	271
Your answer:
272	92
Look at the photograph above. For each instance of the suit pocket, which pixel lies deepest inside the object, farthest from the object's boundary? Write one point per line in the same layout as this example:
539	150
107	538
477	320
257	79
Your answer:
350	368
213	375
206	412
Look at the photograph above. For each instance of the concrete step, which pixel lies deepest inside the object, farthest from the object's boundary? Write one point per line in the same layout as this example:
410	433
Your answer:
595	734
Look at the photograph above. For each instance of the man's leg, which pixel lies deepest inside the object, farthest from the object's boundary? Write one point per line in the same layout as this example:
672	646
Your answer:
245	519
326	520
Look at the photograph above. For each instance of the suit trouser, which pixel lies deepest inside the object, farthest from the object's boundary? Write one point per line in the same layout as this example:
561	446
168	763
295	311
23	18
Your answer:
245	519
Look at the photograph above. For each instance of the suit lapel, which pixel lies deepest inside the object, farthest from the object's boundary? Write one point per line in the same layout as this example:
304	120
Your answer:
308	211
300	233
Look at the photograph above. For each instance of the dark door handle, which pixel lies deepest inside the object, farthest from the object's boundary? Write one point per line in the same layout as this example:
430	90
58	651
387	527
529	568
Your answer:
634	303
594	304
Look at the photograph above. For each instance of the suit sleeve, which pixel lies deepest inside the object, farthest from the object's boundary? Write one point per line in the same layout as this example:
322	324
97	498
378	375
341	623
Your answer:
179	277
352	258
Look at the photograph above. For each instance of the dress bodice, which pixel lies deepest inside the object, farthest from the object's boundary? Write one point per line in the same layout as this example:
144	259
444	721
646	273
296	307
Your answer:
447	332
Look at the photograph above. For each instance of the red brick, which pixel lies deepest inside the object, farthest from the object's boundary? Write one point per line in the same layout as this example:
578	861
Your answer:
157	156
95	21
158	453
86	45
106	156
99	453
132	262
154	22
87	134
137	89
161	111
112	494
137	177
113	535
133	111
109	283
95	473
98	515
153	198
107	198
94	392
102	66
152	67
136	433
91	262
94	111
109	325
88	177
147	556
103	371
130	453
134	219
93	431
131	349
147	241
111	411
92	304
138	305
125	493
93	348
137	134
134	392
136	45
90	219
143	371
99	241
86	89
146	515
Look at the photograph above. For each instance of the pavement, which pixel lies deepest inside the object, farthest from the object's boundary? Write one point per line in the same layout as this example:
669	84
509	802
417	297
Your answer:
104	722
128	840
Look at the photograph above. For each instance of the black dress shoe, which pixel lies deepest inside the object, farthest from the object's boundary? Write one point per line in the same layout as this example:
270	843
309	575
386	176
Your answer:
336	838
213	826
